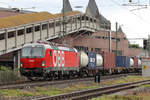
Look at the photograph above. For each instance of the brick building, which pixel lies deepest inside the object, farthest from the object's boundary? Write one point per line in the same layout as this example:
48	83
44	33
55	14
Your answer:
101	41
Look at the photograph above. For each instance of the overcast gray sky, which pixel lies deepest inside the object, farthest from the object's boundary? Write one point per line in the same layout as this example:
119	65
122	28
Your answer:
136	24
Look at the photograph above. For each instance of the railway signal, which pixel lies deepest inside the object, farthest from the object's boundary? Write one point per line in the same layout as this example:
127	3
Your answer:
97	78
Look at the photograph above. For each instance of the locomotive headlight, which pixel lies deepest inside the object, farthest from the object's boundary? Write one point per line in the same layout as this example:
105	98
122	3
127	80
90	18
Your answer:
43	63
21	65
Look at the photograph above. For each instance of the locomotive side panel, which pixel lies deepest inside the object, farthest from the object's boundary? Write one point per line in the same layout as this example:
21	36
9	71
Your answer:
47	58
58	59
64	59
70	59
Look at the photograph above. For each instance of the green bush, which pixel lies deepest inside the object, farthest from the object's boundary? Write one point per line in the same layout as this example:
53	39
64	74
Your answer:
3	68
10	76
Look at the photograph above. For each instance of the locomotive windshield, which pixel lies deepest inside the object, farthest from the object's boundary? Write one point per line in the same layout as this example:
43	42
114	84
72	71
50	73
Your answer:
32	52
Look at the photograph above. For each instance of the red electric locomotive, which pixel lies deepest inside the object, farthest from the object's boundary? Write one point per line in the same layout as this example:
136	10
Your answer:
46	60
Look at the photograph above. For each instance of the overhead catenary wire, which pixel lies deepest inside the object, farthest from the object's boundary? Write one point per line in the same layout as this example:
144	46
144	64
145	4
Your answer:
124	7
133	13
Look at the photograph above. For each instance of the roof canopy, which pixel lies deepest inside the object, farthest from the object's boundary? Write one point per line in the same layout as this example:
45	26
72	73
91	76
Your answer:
22	19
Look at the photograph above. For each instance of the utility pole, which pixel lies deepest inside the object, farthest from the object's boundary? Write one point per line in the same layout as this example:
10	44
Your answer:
116	39
64	23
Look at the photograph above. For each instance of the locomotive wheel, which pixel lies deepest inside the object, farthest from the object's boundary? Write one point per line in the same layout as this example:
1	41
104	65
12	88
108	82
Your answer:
45	77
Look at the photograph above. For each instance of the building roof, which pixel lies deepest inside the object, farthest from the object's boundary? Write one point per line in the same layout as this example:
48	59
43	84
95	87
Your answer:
68	14
21	19
67	7
8	13
92	10
24	19
120	29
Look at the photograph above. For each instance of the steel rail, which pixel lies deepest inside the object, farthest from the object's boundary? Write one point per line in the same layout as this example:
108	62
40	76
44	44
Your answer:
88	94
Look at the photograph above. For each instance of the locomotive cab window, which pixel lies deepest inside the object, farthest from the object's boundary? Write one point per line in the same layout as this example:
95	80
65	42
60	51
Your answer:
32	52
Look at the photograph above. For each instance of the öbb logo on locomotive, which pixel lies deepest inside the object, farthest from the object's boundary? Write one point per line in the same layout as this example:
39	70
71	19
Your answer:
58	58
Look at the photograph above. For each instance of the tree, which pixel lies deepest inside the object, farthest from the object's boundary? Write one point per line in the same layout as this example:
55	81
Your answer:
134	46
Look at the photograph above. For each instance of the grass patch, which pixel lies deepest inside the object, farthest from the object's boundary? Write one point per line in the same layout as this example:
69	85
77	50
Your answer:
47	91
50	91
10	76
116	97
13	93
79	87
125	80
25	93
146	86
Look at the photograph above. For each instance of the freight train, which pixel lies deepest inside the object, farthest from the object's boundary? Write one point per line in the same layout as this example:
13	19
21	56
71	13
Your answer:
46	60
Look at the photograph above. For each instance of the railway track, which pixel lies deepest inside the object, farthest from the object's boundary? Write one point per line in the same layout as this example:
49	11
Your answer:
92	93
58	82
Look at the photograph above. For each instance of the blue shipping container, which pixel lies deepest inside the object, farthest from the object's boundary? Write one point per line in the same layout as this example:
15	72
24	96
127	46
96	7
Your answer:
122	61
92	59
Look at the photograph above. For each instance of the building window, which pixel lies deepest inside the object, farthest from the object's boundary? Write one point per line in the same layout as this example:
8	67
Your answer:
58	23
81	48
29	30
98	50
2	36
44	26
51	25
20	32
11	34
37	28
119	52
